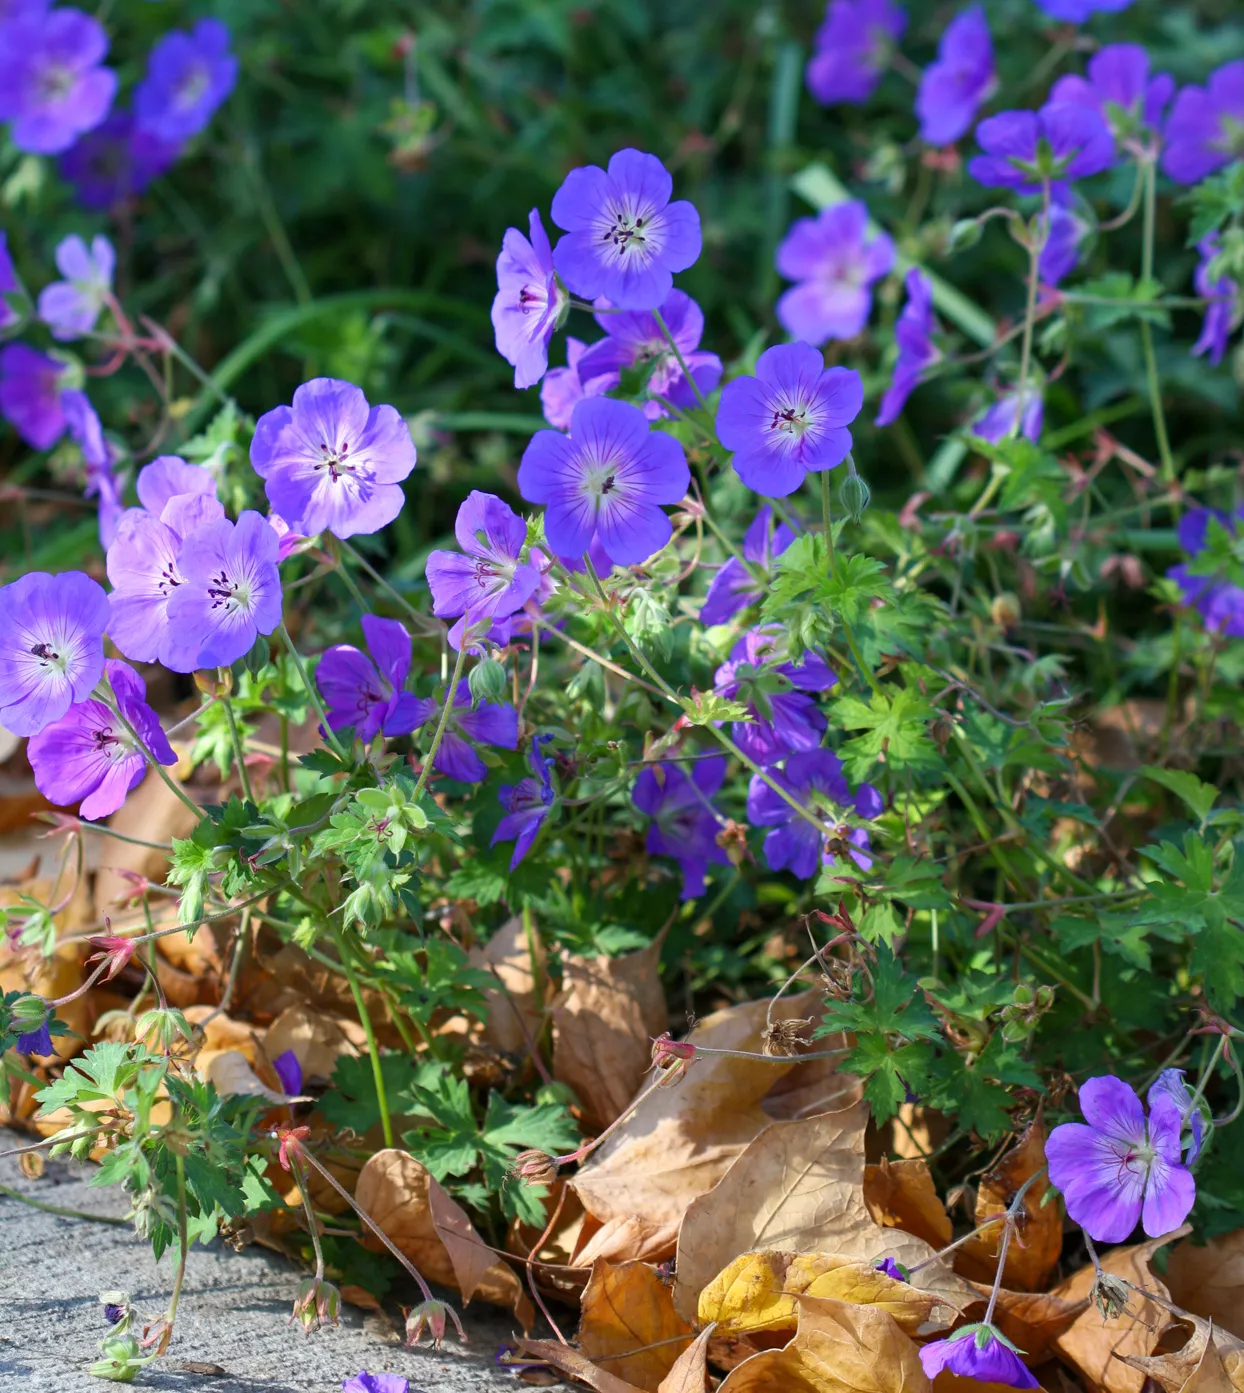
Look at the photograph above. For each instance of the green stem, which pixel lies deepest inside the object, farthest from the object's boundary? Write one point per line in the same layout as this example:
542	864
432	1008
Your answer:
158	767
828	521
373	1050
444	720
396	596
312	695
59	1210
183	1239
235	737
1146	333
1036	242
682	362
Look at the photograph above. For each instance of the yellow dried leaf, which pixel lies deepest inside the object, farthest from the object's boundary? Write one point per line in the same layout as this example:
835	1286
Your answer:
627	1307
838	1348
760	1291
901	1195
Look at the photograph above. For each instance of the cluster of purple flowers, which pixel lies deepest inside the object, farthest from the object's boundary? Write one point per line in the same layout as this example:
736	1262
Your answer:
59	96
1218	597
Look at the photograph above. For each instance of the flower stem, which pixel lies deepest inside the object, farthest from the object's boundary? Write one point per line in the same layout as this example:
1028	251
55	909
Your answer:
1146	335
373	1050
239	754
682	362
313	1224
312	695
421	620
158	767
1030	311
183	1239
450	697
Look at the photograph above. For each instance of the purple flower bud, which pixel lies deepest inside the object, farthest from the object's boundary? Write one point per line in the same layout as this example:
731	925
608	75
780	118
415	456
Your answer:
978	1352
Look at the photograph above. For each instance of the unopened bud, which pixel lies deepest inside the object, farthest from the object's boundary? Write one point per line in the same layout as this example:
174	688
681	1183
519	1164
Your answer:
291	1139
965	233
783	1038
671	1058
432	1314
214	681
534	1168
121	1359
855	495
1005	610
317	1303
1110	1295
163	1027
28	1013
486	681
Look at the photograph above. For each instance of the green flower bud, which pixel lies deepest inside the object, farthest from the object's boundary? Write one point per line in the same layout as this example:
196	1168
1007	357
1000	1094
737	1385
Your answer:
486	681
29	1013
855	495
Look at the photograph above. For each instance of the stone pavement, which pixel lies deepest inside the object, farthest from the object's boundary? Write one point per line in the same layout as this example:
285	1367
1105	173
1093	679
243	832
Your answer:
232	1332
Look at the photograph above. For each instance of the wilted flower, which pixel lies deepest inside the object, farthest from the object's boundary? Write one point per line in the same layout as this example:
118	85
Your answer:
1205	130
624	238
1118	1169
53	86
31	384
316	1303
963	78
914	336
289	1144
376	1383
685	823
331	463
1029	150
432	1313
369	693
114	950
852	48
782	1039
188	76
71	307
789	420
835	263
978	1352
529	302
672	1057
1110	1295
608	478
51	647
526	803
892	1268
534	1168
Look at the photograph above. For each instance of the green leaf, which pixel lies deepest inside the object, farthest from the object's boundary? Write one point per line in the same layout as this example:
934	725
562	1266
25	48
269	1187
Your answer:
352	1103
1128	299
705	708
895	722
880	925
1198	795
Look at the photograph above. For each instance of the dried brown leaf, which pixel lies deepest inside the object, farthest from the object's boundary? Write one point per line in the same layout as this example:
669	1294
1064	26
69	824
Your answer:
316	1040
799	1188
434	1232
627	1307
1032	1319
838	1348
514	1008
901	1195
1198	1367
1091	1343
229	1072
603	1025
1038	1238
570	1361
690	1371
1208	1279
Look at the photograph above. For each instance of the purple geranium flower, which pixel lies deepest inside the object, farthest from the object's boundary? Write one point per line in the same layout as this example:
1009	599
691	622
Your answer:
1206	126
188	76
97	457
115	162
489	723
852	49
332	463
977	1352
608	478
30	394
835	264
914	335
815	779
999	421
89	757
9	285
1027	150
789	420
734	586
52	85
1218	599
289	1071
368	692
526	803
490	579
529	302
51	647
1117	1169
1077	11
168	477
36	1041
784	718
685	823
624	238
1067	229
1220	312
230	593
635	337
71	307
892	1268
376	1383
1118	87
960	82
1170	1082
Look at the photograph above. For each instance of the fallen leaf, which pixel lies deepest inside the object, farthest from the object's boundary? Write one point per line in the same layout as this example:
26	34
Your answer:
838	1348
901	1195
229	1072
515	1008
798	1187
570	1361
25	970
627	1307
316	1040
681	1140
1032	1319
416	1214
1208	1279
1196	1368
760	1291
1091	1343
816	1086
603	1025
552	1262
1037	1241
690	1371
916	1132
620	1239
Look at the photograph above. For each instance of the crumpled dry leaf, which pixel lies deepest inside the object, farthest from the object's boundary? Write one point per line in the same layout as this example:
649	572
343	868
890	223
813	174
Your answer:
626	1306
603	1025
1199	1367
1038	1238
317	1041
838	1348
1091	1343
579	1366
417	1215
514	1008
760	1291
1208	1279
1032	1319
229	1072
681	1140
901	1195
799	1188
